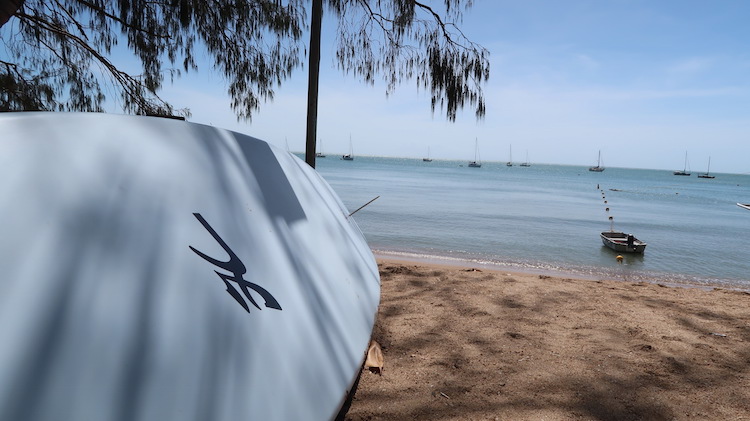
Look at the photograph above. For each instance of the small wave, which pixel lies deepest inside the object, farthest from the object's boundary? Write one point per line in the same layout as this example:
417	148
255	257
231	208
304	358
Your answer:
621	273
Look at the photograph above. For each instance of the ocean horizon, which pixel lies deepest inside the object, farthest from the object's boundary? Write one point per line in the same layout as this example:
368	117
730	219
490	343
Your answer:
547	218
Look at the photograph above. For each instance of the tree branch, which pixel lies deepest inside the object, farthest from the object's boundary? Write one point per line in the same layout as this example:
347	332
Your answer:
126	81
98	9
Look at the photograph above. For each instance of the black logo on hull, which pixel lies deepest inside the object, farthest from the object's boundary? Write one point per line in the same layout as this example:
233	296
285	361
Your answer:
237	269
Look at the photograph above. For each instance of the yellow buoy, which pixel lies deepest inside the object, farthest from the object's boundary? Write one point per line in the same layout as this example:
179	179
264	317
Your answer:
619	258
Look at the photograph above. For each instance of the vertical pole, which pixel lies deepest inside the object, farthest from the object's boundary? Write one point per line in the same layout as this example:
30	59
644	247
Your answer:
312	82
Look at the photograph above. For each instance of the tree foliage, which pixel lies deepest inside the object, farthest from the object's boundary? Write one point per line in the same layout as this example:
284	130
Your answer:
404	40
60	54
61	50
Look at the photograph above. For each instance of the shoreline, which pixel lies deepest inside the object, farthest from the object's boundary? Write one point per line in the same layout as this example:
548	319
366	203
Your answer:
667	279
462	342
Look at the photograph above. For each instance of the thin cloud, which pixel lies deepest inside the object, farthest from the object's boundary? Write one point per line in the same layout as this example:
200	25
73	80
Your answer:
691	67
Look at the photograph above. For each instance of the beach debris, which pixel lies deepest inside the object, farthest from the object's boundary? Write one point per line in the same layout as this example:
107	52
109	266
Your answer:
619	258
375	361
444	395
646	347
472	270
722	335
400	270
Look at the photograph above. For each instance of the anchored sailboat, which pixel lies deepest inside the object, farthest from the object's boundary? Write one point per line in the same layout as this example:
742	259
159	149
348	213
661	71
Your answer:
684	169
598	167
510	156
476	163
707	170
350	155
526	164
320	154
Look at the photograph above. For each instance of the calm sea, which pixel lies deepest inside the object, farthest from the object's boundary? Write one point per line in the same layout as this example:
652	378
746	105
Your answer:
547	218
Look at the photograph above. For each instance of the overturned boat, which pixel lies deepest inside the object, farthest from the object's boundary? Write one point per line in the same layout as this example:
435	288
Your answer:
156	269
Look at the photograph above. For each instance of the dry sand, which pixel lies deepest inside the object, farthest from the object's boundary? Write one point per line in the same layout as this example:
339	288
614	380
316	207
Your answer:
465	344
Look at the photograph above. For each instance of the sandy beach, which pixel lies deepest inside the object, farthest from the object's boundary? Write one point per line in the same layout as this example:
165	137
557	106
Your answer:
463	343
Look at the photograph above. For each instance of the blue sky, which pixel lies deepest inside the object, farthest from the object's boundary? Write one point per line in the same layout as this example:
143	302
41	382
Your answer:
643	81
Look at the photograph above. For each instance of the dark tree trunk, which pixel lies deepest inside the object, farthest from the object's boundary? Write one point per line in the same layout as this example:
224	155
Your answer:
8	8
312	82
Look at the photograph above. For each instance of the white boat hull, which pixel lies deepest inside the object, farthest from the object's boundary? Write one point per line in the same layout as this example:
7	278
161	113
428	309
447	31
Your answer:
154	269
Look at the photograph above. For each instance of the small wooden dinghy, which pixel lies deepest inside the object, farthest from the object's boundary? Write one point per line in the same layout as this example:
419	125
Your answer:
623	243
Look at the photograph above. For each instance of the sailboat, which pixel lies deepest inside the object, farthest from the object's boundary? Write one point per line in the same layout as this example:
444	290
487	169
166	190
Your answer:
684	169
510	156
598	167
320	154
350	155
526	164
707	169
428	159
476	163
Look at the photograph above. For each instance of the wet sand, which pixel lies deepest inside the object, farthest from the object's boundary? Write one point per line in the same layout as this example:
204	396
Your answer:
463	343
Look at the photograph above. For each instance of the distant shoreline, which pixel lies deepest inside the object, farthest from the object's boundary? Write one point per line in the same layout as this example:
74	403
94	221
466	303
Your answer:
501	163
